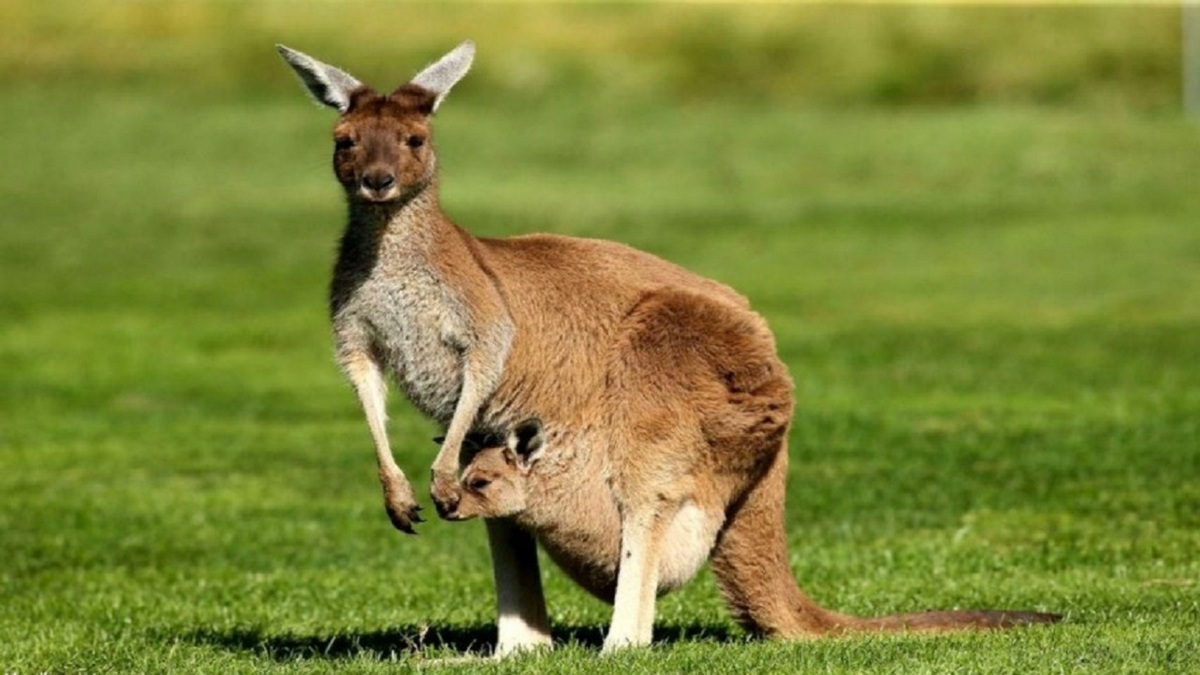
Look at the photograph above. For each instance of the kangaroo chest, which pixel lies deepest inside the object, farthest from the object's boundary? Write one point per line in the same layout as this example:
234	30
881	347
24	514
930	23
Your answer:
415	326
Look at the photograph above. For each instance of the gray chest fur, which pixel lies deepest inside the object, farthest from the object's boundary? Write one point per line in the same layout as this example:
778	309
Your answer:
414	325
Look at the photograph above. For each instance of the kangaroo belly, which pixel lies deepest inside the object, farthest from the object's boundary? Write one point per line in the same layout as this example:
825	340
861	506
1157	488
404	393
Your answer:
685	546
588	548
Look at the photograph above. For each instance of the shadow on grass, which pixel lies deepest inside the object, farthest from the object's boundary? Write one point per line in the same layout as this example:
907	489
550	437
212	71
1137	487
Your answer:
409	640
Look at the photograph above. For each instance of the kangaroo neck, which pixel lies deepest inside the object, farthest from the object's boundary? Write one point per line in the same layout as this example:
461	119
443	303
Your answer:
413	221
393	240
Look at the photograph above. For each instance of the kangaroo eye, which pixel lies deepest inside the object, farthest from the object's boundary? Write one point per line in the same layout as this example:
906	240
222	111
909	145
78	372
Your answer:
415	142
479	483
343	143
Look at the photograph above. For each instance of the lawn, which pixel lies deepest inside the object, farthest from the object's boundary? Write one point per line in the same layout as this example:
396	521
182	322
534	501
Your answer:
991	309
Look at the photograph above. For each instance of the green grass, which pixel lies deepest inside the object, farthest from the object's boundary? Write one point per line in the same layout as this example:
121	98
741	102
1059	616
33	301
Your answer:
991	313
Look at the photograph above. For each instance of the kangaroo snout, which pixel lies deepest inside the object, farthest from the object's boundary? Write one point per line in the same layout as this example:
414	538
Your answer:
377	185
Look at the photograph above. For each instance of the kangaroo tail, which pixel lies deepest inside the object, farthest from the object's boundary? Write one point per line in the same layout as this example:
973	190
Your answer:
943	621
750	561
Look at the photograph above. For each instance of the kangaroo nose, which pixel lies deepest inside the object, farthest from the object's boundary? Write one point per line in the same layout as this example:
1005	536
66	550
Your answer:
378	180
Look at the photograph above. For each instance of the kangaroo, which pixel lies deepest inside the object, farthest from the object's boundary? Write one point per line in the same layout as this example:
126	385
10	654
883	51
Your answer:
666	379
566	503
572	512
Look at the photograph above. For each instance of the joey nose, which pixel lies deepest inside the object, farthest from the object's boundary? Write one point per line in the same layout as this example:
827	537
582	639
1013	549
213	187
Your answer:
378	180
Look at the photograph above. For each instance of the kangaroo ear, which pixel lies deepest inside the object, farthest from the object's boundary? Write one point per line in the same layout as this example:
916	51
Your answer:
446	72
526	442
327	84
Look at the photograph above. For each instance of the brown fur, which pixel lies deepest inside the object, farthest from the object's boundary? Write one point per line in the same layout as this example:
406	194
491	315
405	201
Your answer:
663	382
570	508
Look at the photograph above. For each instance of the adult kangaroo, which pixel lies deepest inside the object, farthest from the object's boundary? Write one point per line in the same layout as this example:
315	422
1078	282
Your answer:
666	377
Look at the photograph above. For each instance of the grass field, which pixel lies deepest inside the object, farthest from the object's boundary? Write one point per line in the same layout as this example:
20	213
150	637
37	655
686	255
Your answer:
991	311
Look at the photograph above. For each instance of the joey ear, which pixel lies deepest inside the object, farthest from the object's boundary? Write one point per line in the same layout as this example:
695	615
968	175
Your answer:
446	72
526	442
511	458
328	85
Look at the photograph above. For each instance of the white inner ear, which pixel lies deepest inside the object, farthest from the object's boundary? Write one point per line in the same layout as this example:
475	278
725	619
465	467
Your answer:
328	85
446	71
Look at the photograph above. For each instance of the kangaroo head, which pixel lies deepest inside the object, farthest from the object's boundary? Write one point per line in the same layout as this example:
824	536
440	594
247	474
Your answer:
495	483
382	150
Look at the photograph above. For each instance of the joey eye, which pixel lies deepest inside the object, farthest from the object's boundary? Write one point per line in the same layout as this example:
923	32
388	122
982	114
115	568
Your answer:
415	142
479	483
340	144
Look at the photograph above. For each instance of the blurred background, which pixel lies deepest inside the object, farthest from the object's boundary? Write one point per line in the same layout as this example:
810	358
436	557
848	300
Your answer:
973	229
1098	57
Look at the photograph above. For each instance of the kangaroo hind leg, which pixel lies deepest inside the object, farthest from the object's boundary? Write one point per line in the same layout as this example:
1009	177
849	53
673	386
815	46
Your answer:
521	606
643	527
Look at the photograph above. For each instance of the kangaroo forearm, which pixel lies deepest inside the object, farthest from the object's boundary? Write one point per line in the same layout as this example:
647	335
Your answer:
366	376
367	379
483	366
445	466
474	394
